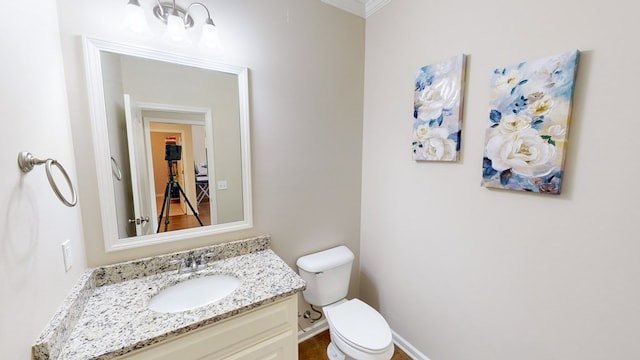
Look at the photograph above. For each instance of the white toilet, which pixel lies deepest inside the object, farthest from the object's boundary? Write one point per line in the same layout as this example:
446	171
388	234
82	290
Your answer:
357	330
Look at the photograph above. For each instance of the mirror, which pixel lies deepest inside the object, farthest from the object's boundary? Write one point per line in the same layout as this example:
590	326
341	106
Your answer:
171	140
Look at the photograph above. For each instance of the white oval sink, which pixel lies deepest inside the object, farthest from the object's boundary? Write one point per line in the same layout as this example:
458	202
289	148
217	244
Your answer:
193	293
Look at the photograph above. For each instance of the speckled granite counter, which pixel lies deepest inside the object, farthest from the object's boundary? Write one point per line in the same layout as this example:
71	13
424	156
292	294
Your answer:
106	313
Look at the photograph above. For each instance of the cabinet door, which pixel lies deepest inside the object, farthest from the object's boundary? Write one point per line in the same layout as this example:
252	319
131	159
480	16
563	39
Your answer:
267	331
279	347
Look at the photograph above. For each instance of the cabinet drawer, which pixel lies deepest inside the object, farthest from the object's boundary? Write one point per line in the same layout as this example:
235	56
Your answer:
229	336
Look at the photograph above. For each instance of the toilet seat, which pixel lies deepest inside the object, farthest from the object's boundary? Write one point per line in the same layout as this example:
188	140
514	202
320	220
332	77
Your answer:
359	326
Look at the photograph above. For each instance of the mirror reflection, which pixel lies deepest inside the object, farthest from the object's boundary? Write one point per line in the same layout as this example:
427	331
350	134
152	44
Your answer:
177	143
181	201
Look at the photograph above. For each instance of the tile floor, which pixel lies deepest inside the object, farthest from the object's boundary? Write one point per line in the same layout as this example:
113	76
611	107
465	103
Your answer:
316	349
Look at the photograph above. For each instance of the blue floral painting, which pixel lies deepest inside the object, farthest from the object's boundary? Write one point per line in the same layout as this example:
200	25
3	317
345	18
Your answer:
528	124
437	110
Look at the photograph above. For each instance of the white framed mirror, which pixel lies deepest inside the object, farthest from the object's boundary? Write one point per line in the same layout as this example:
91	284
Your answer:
171	144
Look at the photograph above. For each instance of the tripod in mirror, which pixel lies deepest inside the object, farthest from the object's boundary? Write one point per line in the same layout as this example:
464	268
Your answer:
172	154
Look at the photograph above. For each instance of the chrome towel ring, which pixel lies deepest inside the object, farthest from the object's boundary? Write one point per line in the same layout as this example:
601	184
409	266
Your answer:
26	161
115	169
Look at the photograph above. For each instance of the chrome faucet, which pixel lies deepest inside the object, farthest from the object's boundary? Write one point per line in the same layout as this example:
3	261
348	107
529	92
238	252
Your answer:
192	262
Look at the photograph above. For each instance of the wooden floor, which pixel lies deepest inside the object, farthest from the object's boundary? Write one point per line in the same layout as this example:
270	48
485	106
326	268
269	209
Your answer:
316	348
182	221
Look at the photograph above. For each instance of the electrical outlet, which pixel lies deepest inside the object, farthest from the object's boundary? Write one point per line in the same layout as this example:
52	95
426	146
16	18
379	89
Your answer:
67	254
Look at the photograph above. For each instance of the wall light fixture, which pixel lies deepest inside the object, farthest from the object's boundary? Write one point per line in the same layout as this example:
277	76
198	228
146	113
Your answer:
177	20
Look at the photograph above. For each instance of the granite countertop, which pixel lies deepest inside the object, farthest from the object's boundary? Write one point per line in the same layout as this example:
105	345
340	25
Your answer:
106	314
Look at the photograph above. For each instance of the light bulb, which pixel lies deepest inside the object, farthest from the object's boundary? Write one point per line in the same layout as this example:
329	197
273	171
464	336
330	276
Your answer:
135	20
176	32
209	37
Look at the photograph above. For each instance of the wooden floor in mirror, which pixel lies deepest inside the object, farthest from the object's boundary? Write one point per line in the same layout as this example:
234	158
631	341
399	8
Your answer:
179	220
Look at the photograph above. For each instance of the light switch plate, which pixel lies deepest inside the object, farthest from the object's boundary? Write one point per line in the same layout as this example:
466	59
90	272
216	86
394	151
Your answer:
67	254
222	185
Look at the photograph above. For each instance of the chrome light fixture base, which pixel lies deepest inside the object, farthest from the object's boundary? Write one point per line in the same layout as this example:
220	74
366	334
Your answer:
162	11
177	21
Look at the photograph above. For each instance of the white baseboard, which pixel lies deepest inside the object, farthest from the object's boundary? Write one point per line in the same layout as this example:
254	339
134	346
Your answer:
409	349
313	330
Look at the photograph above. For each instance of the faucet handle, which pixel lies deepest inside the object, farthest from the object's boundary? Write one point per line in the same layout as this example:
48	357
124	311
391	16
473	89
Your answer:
210	255
181	262
203	259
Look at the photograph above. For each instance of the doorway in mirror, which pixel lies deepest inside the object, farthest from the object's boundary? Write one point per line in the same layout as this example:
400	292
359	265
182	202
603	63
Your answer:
177	193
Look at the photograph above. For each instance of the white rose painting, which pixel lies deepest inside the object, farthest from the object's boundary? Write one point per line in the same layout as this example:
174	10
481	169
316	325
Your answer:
437	108
528	124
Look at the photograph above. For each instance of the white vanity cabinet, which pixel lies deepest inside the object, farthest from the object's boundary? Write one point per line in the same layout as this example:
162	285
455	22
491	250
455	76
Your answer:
266	332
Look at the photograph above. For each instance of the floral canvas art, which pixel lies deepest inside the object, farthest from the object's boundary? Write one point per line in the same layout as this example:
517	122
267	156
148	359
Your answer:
528	124
437	110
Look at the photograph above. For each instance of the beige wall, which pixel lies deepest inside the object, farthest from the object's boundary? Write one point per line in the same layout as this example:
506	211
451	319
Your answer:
464	272
34	223
306	87
118	147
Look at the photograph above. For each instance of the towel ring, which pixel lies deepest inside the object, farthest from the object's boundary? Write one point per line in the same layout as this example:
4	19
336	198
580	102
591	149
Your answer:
26	161
115	169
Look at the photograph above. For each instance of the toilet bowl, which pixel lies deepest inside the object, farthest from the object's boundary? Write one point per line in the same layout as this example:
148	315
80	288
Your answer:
358	331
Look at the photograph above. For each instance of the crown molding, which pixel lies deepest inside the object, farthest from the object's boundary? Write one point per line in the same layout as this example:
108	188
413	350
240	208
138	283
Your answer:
371	6
362	8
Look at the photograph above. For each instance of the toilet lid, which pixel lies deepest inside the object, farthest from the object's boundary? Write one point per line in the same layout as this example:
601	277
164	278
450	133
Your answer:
360	324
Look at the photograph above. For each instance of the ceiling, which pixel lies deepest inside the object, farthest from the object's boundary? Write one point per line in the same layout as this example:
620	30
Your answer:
362	8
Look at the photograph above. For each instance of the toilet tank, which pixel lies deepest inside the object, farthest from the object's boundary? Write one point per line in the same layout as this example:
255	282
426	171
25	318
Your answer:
327	274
